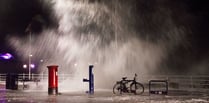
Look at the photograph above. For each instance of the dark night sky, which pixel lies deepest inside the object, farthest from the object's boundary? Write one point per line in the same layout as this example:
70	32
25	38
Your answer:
198	23
16	15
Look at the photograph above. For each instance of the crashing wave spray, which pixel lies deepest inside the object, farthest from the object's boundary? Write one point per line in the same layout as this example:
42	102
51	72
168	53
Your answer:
91	33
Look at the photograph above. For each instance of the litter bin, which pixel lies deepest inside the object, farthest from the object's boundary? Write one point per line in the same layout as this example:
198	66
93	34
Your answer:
12	81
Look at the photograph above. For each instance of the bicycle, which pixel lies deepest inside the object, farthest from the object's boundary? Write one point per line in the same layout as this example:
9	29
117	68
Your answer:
135	87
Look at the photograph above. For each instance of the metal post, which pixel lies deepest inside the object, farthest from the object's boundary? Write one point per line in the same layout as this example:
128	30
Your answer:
23	76
42	76
29	60
191	85
32	76
90	80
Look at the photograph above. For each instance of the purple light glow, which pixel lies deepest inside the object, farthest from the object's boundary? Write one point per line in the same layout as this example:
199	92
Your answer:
6	56
32	66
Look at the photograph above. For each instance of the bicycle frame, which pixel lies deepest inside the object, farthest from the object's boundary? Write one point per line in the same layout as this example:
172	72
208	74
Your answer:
121	86
124	82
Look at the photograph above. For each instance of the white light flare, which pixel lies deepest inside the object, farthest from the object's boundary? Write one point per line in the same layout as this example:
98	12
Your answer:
25	66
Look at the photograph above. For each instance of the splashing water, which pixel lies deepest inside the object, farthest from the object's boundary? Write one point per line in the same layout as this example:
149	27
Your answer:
91	33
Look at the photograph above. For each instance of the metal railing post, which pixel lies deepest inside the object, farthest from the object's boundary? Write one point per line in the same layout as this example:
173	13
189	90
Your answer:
191	79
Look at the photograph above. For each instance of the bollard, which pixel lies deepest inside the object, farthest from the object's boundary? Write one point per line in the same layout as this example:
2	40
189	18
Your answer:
53	80
91	80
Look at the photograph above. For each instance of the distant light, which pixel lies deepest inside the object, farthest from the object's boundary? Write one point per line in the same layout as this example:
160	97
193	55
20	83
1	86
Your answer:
32	66
41	60
6	56
30	55
75	64
24	66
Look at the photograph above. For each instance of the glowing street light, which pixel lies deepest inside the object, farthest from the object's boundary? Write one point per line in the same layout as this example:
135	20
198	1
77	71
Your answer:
75	64
25	66
32	66
41	60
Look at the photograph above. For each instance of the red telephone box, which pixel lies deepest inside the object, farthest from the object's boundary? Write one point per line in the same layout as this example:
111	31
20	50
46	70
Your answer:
53	80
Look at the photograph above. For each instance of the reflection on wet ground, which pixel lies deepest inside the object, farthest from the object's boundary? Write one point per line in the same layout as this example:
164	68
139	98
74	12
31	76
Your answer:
13	96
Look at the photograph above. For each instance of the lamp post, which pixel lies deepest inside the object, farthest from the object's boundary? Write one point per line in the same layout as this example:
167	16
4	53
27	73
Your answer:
30	55
29	67
28	29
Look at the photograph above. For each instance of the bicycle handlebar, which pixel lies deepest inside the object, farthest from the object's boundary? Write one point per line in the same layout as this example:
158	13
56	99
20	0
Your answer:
130	80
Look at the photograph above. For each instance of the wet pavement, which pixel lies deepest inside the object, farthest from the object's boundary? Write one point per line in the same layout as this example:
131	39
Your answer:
29	96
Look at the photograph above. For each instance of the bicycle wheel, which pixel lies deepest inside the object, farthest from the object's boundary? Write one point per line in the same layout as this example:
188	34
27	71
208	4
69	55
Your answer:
117	89
137	88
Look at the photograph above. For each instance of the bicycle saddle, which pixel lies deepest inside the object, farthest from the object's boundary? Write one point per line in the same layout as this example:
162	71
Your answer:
124	78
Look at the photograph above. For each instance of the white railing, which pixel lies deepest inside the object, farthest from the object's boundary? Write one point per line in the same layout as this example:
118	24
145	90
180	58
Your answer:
175	82
22	77
43	76
2	77
180	82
